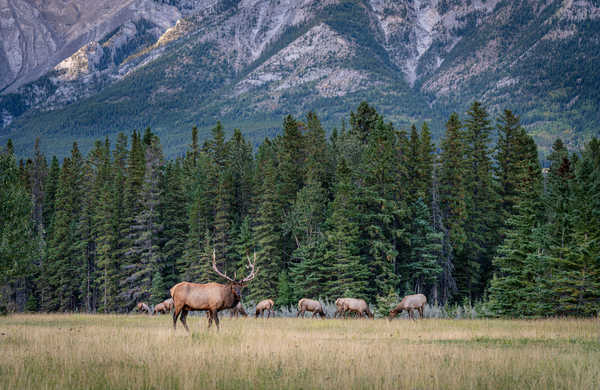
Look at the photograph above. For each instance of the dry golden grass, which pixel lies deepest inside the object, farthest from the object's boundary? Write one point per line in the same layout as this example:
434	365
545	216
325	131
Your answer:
106	351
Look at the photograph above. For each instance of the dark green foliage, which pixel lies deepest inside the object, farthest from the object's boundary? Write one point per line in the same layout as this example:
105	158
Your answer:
349	271
103	232
474	263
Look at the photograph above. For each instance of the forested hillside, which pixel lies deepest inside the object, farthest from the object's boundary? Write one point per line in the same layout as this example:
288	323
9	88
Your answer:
373	211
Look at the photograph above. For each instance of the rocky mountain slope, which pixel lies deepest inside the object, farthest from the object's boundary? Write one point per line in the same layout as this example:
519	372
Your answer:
172	64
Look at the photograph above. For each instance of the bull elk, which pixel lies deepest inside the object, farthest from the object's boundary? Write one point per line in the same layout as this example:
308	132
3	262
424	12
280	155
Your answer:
306	304
238	310
353	305
212	297
266	305
142	307
409	303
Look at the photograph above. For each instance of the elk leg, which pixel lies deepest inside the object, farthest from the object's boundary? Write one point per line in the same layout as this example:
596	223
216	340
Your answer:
210	318
175	315
184	314
269	313
215	315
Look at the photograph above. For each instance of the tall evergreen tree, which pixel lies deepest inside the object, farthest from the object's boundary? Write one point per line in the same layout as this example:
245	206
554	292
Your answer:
145	249
473	264
519	286
18	241
267	231
349	272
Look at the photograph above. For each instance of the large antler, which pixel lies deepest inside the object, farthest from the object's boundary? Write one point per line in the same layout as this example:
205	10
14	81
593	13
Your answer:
217	270
252	270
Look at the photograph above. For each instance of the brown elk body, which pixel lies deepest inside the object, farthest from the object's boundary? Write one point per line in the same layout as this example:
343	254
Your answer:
142	307
212	297
339	304
266	305
168	304
358	306
238	310
160	308
410	303
315	307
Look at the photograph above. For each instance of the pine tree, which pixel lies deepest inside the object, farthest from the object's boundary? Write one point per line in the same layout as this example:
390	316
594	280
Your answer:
304	224
425	167
18	242
240	163
105	229
349	273
473	264
519	286
132	206
379	208
267	230
363	122
174	219
58	266
452	186
199	213
420	269
145	250
575	231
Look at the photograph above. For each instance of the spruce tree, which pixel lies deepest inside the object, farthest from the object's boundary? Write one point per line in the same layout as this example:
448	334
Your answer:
379	208
19	244
267	231
349	272
145	249
519	286
473	264
174	219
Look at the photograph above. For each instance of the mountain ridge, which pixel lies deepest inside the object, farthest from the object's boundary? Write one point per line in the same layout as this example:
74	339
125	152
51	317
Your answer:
250	62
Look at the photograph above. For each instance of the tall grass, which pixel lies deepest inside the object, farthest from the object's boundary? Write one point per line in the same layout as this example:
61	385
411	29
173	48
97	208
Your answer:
137	351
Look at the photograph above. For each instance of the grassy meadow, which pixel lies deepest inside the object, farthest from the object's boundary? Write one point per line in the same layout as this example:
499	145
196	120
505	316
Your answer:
72	351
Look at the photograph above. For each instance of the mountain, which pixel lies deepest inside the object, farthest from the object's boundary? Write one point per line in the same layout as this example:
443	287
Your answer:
173	64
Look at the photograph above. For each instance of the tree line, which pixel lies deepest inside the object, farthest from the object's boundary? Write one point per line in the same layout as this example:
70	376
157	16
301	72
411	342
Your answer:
371	212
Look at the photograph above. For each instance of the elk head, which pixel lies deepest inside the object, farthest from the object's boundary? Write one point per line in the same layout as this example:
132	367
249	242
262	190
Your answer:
237	285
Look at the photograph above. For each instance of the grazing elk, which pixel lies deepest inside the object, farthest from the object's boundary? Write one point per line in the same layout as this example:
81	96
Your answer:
212	297
160	308
358	306
168	304
409	303
142	307
238	310
339	303
306	304
266	305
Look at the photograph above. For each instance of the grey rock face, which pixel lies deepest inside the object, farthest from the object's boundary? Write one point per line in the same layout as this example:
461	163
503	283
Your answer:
37	35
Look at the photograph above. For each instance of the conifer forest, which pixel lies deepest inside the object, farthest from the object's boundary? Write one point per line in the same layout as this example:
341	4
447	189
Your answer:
366	210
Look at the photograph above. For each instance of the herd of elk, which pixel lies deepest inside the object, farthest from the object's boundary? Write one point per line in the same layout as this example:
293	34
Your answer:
212	297
266	305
